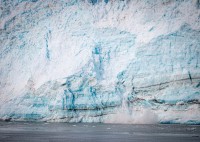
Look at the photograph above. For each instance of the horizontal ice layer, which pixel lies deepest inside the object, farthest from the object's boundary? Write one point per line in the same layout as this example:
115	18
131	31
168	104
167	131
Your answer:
100	61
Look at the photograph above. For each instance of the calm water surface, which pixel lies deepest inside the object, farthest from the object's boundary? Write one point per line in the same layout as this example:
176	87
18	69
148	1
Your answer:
95	132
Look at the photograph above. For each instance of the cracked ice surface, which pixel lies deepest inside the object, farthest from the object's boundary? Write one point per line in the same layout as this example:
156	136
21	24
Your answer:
100	61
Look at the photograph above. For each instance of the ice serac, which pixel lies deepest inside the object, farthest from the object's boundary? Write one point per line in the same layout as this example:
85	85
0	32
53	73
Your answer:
100	61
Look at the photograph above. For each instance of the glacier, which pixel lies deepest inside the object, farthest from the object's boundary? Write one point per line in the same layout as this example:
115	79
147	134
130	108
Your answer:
110	61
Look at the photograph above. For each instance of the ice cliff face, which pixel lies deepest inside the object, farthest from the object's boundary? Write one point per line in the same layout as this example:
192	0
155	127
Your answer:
112	61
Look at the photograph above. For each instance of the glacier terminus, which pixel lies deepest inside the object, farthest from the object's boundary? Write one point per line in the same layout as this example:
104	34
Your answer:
109	61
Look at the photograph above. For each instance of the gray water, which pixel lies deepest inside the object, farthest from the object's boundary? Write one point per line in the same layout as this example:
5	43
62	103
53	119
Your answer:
95	132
